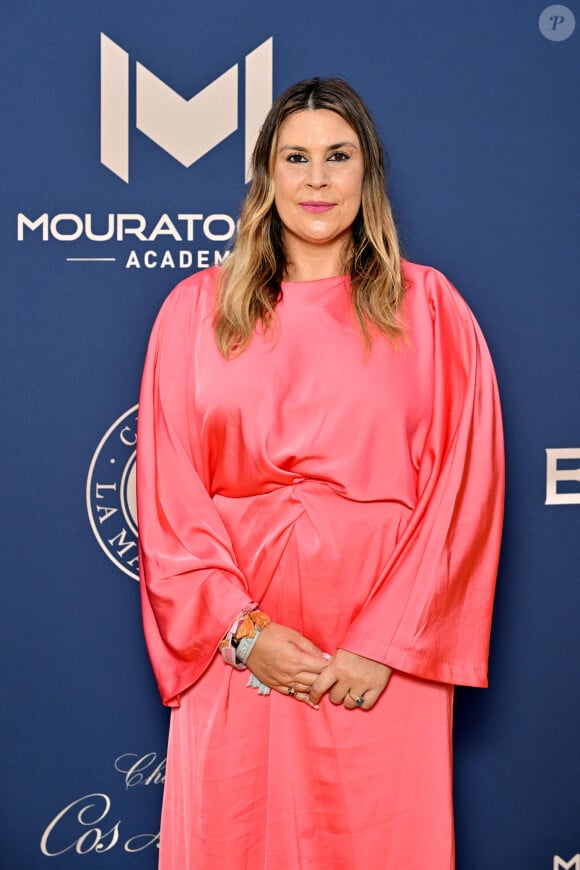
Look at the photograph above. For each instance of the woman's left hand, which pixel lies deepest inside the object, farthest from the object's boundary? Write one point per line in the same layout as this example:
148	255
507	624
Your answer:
349	676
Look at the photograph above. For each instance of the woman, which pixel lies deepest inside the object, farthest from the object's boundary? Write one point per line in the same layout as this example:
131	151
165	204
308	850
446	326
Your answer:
319	441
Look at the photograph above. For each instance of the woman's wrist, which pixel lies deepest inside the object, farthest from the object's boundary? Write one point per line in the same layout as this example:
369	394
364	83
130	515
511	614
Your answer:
239	640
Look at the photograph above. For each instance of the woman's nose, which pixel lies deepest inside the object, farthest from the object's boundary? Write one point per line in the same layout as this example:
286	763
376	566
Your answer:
317	175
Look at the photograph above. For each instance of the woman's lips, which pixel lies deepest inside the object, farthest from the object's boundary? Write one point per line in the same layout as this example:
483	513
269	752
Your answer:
316	207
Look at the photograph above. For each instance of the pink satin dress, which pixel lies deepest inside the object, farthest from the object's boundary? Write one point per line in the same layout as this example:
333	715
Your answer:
357	497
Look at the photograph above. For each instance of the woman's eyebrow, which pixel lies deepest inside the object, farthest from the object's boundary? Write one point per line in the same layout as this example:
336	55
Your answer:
330	147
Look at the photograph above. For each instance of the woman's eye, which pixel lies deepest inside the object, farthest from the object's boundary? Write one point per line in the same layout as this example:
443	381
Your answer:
339	155
296	158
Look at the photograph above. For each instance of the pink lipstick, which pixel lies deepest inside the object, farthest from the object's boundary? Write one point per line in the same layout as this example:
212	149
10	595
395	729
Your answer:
316	207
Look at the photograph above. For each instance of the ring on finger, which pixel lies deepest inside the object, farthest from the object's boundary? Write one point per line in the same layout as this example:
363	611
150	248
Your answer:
292	691
358	701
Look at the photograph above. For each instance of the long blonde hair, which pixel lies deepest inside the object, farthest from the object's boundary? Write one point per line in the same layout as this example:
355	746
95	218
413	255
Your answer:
251	277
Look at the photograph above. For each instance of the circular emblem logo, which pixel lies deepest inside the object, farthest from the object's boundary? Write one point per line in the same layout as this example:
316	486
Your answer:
111	500
557	23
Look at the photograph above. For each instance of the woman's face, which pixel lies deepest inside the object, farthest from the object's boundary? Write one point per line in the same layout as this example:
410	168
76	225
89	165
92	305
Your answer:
318	177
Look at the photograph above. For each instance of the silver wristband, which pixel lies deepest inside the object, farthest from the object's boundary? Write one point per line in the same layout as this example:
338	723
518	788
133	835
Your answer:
245	647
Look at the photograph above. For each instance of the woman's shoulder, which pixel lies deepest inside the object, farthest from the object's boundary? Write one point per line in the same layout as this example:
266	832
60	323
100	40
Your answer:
189	307
194	298
425	278
426	285
198	287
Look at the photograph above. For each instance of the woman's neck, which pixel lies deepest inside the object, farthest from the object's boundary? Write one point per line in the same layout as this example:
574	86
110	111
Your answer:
306	262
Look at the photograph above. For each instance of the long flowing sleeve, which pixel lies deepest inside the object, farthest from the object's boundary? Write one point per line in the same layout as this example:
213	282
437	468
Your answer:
191	587
429	613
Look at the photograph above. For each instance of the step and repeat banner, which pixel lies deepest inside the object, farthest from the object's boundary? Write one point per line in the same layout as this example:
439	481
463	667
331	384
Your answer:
127	128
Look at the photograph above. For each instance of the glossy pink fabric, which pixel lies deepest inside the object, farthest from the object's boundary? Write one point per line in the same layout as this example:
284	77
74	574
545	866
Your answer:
358	498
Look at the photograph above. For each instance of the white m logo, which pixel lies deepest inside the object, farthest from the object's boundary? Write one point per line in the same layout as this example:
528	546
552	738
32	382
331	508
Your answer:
186	129
572	864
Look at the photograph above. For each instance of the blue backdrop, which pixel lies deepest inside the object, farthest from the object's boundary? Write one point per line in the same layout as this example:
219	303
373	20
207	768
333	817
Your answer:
478	106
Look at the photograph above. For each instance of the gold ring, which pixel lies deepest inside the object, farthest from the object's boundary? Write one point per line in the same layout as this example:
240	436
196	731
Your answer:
358	701
291	691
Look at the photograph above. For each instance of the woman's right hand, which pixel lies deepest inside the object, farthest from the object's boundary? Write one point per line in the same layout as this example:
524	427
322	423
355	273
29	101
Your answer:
284	660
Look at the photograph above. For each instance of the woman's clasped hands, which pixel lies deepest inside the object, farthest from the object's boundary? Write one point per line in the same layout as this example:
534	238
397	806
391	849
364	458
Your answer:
289	663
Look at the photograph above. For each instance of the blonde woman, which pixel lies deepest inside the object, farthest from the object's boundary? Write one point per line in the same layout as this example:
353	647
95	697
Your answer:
320	489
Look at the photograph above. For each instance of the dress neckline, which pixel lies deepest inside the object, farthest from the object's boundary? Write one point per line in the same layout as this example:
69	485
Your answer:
318	283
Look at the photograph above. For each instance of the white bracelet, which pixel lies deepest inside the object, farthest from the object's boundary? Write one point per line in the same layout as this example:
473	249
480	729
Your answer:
245	647
243	650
